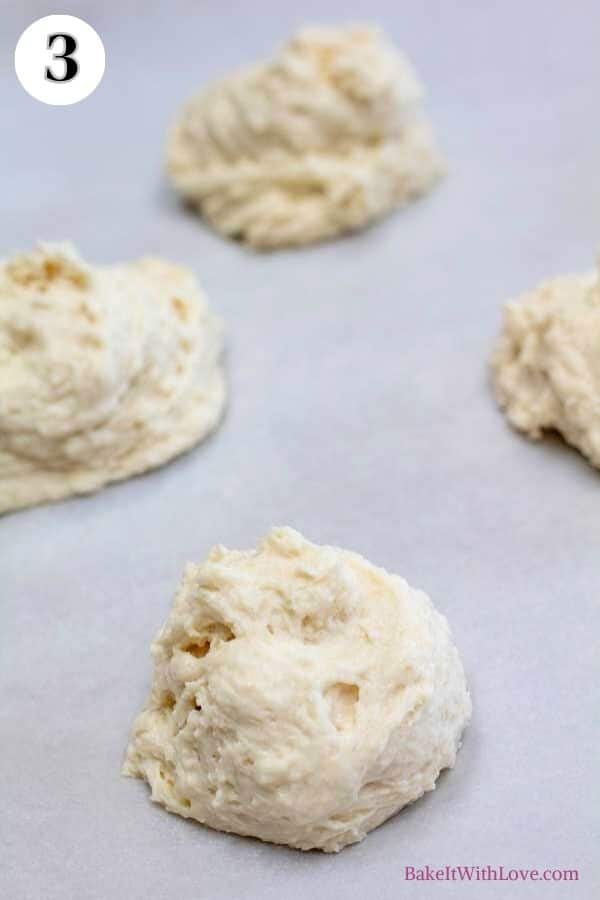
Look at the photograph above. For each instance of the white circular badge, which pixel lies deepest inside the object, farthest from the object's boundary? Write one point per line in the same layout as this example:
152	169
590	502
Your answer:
59	60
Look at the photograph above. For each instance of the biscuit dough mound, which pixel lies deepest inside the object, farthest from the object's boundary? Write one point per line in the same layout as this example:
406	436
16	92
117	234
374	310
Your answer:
323	139
300	695
105	371
546	367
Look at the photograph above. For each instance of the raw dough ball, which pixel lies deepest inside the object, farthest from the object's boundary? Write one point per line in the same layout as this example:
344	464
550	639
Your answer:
325	138
300	695
546	367
106	371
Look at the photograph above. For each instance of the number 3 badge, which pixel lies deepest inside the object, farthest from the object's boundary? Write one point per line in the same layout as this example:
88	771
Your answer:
59	60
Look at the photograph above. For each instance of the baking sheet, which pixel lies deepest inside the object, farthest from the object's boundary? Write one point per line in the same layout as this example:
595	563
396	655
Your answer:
360	414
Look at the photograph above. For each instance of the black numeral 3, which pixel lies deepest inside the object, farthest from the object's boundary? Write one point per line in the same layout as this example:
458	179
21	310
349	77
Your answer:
71	65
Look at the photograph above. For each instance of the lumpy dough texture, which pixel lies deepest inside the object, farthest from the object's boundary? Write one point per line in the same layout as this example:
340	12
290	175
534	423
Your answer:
323	139
300	695
105	371
546	366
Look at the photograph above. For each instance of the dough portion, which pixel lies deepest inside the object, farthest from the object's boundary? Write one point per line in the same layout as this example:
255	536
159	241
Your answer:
300	695
323	139
105	371
546	367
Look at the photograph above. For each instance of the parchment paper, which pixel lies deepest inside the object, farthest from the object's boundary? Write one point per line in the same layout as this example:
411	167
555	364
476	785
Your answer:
360	414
